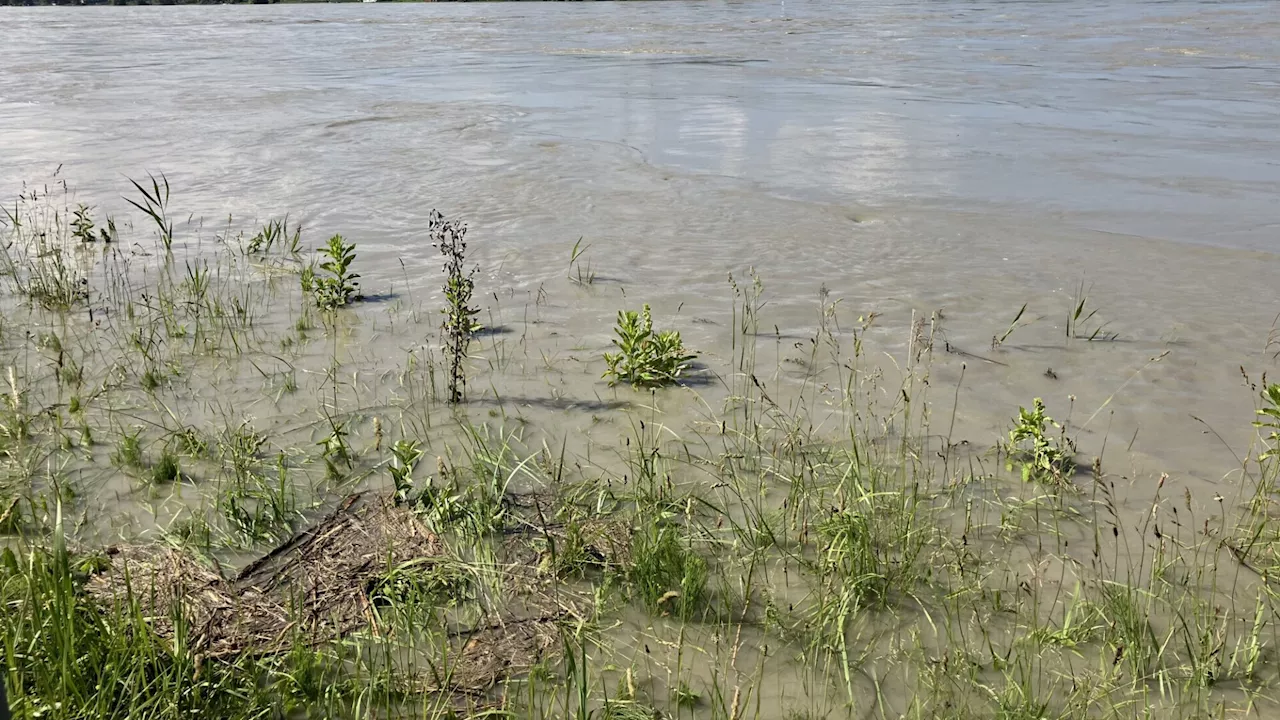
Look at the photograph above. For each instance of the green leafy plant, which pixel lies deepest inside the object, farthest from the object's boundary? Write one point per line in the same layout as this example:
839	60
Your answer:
335	449
338	286
82	224
645	358
1043	457
405	455
257	506
459	325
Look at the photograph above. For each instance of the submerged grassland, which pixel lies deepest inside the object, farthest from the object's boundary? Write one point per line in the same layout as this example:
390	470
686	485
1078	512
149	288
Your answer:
236	481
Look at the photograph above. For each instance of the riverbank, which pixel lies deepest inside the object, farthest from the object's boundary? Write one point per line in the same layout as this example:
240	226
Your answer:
223	495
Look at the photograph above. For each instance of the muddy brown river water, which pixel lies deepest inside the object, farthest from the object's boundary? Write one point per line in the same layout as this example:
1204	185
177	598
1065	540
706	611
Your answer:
963	157
928	169
909	157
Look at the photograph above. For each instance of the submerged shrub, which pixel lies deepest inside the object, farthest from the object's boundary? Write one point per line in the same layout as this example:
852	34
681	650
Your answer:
1043	457
645	358
459	325
337	287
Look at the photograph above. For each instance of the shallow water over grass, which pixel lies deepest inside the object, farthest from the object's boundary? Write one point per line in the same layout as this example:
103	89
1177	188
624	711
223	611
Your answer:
207	475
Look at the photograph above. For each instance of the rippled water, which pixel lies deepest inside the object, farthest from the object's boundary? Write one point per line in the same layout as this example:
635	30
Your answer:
910	157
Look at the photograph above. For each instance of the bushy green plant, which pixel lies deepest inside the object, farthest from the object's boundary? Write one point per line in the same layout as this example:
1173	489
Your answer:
258	507
645	358
82	224
338	286
1043	457
83	229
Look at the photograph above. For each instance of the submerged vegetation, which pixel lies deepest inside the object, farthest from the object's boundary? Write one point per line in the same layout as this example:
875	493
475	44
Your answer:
336	287
645	358
459	326
229	490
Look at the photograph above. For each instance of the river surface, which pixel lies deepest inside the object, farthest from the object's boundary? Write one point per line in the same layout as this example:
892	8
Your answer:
910	157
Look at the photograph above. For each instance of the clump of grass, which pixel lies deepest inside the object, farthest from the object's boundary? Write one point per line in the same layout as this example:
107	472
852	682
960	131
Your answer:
1125	613
42	267
1269	421
1081	622
459	325
568	555
1081	317
473	507
258	507
850	550
336	450
668	576
1044	457
239	446
151	379
128	452
154	205
580	274
166	471
190	442
997	341
646	359
276	234
193	530
431	580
